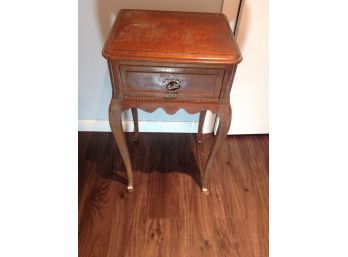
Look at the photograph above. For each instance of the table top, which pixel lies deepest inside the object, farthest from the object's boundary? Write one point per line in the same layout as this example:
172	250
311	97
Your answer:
165	36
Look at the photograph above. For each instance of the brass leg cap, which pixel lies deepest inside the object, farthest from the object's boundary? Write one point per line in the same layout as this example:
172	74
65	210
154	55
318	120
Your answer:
199	138
130	188
205	191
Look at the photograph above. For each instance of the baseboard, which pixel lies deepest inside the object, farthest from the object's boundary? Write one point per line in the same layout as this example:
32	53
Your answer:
145	126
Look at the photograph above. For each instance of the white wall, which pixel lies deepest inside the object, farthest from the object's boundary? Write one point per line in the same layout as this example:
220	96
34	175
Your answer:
95	20
249	94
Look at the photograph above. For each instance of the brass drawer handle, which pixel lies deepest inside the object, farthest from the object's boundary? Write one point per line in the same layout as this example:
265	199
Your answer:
173	86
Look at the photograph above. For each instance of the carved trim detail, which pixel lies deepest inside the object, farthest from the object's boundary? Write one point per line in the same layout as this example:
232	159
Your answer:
168	107
169	99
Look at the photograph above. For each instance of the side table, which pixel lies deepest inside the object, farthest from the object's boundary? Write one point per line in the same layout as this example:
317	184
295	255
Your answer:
171	60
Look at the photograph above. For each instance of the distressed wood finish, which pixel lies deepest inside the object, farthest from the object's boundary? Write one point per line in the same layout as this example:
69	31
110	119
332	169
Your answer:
172	37
170	60
167	215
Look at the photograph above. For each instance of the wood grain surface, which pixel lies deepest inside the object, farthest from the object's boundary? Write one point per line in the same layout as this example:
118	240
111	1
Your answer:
152	81
172	36
168	215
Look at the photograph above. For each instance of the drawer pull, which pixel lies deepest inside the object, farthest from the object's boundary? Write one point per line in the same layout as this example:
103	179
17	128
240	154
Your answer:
173	86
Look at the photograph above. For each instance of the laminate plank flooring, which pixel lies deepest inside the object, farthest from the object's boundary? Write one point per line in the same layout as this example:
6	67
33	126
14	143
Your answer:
167	215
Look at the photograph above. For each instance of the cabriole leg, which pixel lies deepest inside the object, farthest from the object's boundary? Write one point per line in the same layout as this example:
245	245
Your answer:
224	114
200	126
115	112
136	126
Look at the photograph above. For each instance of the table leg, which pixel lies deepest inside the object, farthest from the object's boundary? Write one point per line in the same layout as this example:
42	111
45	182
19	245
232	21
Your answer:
200	126
115	112
136	126
225	121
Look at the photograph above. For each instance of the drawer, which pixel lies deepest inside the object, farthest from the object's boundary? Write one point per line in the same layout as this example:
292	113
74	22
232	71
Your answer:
171	82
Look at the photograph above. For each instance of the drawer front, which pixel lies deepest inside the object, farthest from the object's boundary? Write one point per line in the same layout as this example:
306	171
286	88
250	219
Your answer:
171	82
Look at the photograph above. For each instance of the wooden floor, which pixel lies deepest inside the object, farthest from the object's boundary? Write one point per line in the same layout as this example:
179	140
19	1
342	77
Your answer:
167	215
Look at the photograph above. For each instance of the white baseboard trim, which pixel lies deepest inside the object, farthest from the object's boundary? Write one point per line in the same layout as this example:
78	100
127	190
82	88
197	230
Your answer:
145	126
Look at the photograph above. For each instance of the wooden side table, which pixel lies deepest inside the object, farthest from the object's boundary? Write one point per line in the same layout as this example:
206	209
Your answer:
171	60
